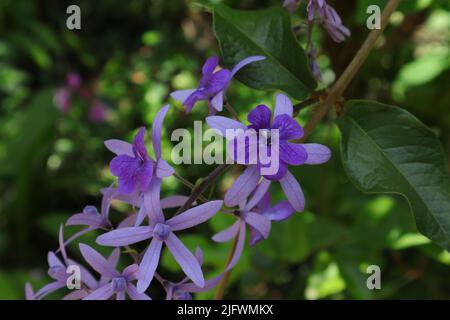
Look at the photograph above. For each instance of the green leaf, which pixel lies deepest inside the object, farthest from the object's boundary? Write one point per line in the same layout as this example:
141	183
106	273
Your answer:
385	149
265	33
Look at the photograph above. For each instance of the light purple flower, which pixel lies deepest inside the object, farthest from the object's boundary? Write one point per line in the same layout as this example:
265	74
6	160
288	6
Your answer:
288	153
248	214
182	290
212	85
279	212
329	18
57	271
119	283
162	232
133	166
62	99
91	218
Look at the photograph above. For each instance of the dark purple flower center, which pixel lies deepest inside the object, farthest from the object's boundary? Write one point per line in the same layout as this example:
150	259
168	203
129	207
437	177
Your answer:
90	210
118	284
182	295
161	231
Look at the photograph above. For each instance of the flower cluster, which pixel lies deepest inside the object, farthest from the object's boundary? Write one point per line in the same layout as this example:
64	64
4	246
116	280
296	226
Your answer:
139	180
73	87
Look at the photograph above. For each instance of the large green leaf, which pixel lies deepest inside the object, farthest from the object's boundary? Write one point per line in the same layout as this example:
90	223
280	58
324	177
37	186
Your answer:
385	149
265	33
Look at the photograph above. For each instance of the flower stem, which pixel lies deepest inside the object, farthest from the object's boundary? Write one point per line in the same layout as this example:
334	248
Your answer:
349	73
224	281
198	190
190	185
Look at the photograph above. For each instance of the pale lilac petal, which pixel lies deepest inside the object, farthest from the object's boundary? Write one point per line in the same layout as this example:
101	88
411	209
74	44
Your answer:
255	237
113	260
131	272
259	222
102	293
163	169
209	284
281	211
140	216
108	195
185	259
29	293
264	203
148	265
242	186
152	201
317	153
97	261
62	248
199	255
134	294
134	199
239	247
120	295
49	288
217	101
195	216
173	201
128	221
260	192
76	295
125	236
292	153
53	260
293	191
283	105
182	95
221	124
84	219
119	147
227	234
245	62
86	277
157	130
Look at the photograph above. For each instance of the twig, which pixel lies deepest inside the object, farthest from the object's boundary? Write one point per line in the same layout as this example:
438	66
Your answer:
224	281
190	185
349	73
198	190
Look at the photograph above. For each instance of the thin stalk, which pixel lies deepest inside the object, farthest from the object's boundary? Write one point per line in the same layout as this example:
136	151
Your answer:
224	281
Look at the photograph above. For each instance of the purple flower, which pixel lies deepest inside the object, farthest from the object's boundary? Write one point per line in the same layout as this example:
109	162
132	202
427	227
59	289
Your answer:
279	212
91	218
182	290
133	166
329	19
315	69
287	153
98	112
57	271
162	231
134	169
212	85
73	81
62	99
118	283
247	215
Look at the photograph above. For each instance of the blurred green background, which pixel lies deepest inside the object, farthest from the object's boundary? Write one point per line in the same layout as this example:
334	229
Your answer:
130	56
